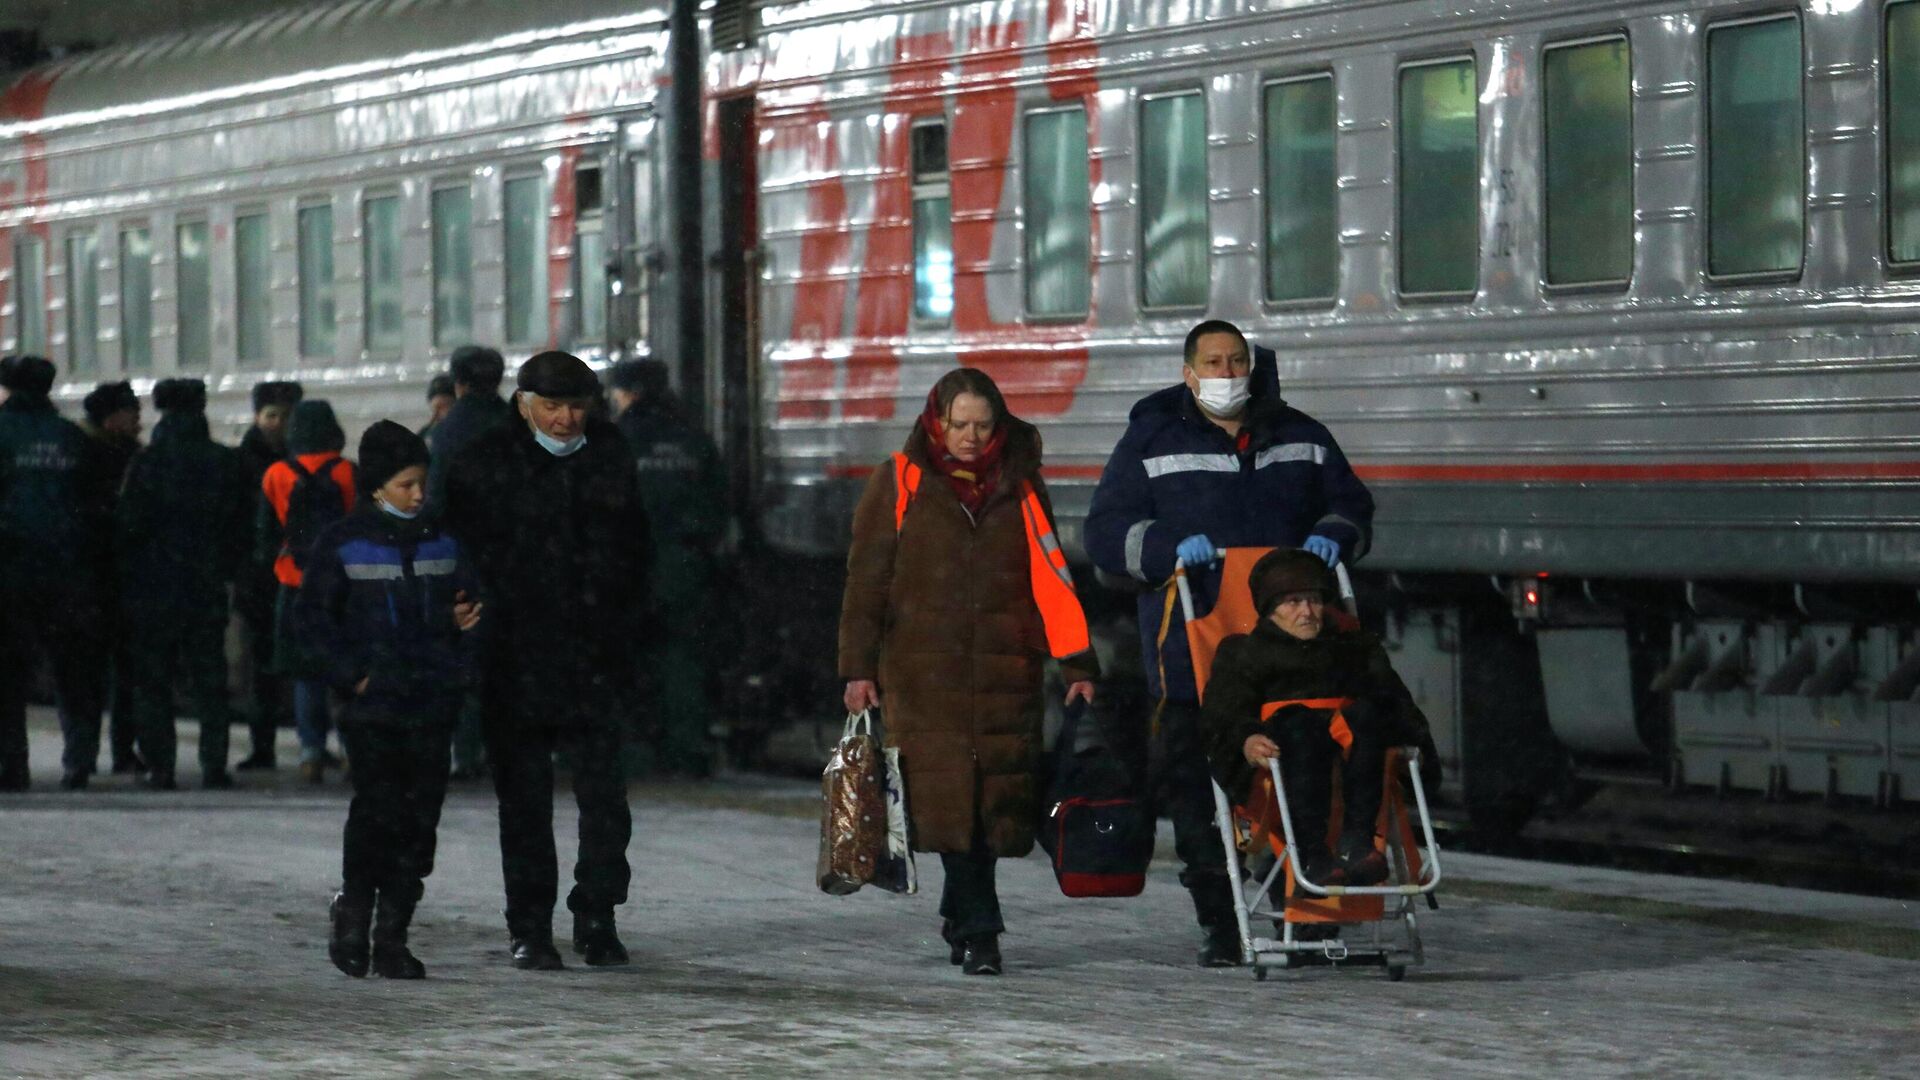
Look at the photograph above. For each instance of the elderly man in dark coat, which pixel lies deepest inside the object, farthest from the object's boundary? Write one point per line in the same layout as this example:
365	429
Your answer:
182	536
549	508
113	423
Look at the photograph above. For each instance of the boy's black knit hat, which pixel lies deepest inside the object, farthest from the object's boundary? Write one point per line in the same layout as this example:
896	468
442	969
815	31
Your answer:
385	449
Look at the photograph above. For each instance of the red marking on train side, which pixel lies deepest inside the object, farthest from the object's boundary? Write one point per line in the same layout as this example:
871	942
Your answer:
885	298
26	100
1038	376
1664	472
561	250
820	295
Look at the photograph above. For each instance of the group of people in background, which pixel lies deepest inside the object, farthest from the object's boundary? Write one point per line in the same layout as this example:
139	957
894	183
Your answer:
141	569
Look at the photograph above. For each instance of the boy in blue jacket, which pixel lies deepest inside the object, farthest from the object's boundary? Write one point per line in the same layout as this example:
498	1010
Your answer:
387	601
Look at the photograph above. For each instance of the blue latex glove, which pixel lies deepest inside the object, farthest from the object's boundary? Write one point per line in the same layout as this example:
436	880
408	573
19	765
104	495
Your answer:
1197	550
1328	550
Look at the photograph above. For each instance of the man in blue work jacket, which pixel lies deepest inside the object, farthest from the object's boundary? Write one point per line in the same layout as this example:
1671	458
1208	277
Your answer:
1219	461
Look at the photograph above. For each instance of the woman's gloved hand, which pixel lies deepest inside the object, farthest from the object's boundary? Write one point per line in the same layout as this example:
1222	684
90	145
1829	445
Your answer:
1197	550
861	695
1328	550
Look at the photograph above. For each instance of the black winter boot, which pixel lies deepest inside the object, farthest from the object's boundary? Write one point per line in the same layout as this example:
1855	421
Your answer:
347	944
531	944
595	939
1213	909
981	955
391	960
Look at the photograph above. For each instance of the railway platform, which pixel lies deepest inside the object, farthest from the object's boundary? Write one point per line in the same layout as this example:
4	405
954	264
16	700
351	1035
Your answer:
182	935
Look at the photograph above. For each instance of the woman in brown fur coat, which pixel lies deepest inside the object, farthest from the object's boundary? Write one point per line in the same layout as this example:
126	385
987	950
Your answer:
941	624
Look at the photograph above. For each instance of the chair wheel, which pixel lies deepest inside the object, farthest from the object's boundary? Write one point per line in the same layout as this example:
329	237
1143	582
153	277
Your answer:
1396	972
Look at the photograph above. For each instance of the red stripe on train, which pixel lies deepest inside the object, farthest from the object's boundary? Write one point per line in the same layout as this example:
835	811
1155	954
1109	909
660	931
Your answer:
1679	472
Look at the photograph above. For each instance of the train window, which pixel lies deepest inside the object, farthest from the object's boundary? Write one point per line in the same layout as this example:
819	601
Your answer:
932	225
1756	149
315	243
1174	267
1439	179
1588	90
1059	213
1903	132
526	251
1303	233
30	270
83	302
252	291
136	298
193	294
380	273
452	265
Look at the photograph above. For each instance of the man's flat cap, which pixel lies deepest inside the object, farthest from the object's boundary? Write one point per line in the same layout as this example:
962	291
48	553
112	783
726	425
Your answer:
556	374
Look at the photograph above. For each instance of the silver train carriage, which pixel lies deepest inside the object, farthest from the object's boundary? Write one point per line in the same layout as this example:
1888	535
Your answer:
1609	302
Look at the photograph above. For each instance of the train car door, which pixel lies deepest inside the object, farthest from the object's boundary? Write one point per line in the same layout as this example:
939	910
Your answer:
623	249
736	268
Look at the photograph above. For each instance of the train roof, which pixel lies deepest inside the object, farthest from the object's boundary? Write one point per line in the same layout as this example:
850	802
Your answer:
333	41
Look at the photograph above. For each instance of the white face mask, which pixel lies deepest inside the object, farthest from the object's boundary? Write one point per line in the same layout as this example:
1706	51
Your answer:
557	447
1224	397
403	515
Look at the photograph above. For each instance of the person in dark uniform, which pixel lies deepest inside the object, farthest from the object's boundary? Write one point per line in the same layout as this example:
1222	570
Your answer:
113	423
386	603
1217	461
255	588
440	399
183	532
477	408
549	509
52	545
685	493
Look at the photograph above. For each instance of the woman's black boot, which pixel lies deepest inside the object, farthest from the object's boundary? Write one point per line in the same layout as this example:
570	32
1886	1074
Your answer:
391	960
347	942
981	956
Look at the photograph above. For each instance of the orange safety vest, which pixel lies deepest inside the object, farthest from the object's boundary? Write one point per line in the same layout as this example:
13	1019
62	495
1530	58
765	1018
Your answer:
1336	727
1053	594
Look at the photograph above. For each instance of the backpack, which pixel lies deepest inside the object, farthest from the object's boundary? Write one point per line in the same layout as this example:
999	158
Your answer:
315	502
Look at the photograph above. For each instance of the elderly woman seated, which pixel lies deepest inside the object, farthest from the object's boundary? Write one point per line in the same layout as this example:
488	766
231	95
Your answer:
1296	656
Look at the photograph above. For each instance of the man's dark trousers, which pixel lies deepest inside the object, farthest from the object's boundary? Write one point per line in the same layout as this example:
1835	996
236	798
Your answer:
520	756
196	651
1184	785
69	627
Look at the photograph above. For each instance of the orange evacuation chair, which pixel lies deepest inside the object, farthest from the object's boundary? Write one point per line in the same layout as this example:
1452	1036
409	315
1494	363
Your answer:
1317	924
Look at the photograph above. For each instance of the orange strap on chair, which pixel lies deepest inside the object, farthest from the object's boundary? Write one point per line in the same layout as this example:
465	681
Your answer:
1052	584
1337	727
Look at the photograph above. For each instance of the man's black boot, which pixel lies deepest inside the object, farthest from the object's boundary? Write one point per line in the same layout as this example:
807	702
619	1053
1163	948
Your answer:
391	959
74	780
981	955
595	939
1221	948
348	945
956	946
1213	909
532	944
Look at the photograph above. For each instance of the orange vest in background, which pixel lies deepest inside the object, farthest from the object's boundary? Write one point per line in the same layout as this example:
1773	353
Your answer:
1052	584
277	485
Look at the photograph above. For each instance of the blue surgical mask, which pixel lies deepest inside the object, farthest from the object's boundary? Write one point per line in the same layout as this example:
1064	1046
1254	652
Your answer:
558	447
403	515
